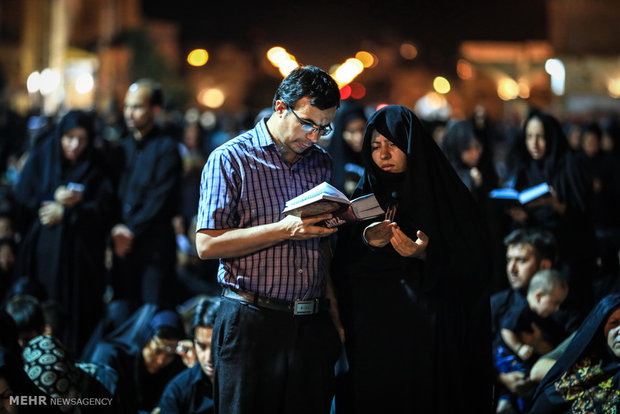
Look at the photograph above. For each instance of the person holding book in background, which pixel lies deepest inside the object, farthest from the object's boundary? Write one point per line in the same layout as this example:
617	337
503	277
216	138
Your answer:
274	321
412	288
514	350
545	158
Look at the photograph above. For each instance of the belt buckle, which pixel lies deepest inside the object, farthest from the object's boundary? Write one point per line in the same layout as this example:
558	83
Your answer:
305	307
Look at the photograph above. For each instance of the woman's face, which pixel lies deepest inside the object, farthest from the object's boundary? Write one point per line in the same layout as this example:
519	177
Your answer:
612	332
353	134
535	138
387	155
591	144
73	143
471	156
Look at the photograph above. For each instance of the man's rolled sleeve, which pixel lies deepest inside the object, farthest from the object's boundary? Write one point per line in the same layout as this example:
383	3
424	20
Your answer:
218	194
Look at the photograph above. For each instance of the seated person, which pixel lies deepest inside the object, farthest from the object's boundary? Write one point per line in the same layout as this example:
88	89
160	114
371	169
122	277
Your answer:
192	390
143	352
50	366
585	377
513	349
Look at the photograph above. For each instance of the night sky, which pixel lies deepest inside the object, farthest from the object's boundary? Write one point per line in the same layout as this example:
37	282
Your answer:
323	30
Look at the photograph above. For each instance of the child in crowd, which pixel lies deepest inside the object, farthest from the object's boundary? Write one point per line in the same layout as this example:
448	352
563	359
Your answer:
528	330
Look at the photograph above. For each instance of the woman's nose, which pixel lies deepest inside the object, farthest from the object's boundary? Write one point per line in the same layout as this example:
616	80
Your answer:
385	152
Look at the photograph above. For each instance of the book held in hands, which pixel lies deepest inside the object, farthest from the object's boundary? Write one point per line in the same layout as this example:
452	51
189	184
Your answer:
325	198
511	197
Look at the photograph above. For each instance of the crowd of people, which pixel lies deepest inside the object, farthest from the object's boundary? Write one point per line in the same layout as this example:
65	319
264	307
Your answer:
148	266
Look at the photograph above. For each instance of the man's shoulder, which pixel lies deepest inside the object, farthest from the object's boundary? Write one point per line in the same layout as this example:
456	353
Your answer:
501	297
238	145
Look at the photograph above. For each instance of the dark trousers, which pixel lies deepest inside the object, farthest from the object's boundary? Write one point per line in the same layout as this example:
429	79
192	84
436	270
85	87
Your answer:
272	362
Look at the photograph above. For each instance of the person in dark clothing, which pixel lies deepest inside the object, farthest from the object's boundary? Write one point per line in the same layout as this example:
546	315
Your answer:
466	152
143	353
345	146
604	173
585	377
192	390
545	158
415	311
528	251
150	165
63	201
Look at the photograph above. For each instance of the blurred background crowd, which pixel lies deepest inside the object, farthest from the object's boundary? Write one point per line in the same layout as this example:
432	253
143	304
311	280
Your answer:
68	63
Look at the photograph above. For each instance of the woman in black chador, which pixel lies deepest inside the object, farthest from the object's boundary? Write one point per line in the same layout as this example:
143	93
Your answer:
544	157
63	201
586	378
412	289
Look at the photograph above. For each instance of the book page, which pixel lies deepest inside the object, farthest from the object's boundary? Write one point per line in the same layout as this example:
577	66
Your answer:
321	191
366	206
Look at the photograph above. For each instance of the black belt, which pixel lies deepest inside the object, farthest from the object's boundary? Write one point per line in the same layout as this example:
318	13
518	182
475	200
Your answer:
296	307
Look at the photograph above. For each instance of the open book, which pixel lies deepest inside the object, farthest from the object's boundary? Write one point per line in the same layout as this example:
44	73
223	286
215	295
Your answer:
511	197
325	198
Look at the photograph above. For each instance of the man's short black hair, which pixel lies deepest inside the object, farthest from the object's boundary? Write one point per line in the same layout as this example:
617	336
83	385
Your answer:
27	313
543	242
156	96
308	81
205	313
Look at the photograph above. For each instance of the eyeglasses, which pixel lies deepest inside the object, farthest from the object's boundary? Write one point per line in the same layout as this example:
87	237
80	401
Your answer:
311	128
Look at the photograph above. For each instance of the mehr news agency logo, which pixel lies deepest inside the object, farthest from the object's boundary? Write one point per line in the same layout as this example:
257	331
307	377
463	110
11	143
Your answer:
24	400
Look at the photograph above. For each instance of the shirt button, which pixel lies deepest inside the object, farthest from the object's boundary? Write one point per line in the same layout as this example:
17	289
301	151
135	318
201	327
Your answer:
300	271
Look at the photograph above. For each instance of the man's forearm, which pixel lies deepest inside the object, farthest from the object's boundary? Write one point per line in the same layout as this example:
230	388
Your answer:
213	244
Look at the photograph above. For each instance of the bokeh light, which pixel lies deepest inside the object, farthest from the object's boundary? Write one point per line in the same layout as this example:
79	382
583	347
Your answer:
345	92
358	91
613	87
348	71
49	81
464	69
524	89
34	82
84	83
198	57
441	85
408	51
211	97
507	89
367	58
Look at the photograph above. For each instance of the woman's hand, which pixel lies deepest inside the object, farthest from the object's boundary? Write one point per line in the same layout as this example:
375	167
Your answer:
407	247
50	213
379	234
67	197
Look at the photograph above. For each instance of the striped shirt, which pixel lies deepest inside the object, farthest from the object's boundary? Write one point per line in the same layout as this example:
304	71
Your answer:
246	183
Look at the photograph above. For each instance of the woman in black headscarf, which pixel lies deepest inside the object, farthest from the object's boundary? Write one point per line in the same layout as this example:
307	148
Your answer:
63	201
544	157
345	146
586	377
415	313
468	154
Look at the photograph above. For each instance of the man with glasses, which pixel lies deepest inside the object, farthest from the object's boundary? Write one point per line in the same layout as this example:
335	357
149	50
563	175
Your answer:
274	341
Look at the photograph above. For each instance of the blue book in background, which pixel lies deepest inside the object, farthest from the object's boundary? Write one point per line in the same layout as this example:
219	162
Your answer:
512	197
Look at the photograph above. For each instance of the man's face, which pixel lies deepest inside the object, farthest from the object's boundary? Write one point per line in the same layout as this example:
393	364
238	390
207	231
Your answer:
158	353
139	113
202	343
521	264
292	136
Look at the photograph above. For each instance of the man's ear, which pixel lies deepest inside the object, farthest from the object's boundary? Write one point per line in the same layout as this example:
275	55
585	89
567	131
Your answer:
545	264
280	107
